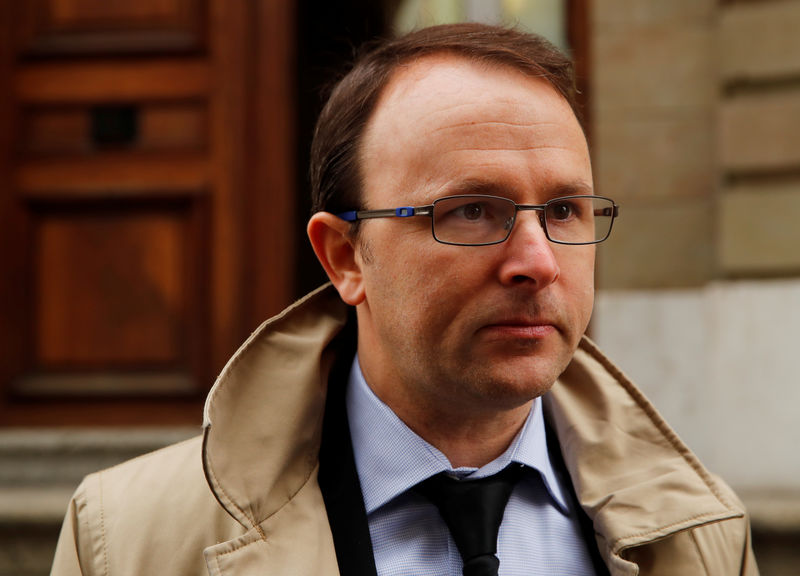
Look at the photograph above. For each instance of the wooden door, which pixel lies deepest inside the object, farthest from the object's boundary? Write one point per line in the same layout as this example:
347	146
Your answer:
146	201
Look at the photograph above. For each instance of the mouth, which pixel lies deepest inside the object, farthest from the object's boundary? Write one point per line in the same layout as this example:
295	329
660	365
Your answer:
519	329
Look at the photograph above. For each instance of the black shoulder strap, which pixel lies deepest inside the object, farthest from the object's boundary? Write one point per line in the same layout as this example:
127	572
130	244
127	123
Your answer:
338	478
557	459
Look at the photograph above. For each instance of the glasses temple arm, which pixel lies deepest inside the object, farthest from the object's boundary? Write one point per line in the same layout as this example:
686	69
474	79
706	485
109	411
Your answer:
401	212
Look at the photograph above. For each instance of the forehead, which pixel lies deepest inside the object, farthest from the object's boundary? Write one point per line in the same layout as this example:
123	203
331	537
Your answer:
444	114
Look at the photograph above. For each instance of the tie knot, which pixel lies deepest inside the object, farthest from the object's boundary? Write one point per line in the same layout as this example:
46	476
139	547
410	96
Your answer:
473	511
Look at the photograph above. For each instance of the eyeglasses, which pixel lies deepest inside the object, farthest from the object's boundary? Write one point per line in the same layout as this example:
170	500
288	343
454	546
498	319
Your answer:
480	220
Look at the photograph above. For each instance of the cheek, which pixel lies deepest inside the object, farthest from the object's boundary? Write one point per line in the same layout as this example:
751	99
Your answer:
395	276
428	291
577	265
577	277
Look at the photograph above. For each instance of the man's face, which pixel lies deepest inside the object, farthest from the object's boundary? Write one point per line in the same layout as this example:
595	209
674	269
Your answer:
454	329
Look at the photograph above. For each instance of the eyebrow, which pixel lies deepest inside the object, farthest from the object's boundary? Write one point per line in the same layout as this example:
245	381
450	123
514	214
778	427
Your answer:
492	188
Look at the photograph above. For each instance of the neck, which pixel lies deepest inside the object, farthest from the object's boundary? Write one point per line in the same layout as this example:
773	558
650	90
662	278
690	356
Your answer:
470	430
469	442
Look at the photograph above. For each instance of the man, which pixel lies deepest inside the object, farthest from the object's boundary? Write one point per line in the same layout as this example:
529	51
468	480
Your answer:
456	219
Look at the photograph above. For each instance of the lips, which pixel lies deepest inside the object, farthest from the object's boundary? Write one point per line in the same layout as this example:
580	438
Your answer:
521	317
520	329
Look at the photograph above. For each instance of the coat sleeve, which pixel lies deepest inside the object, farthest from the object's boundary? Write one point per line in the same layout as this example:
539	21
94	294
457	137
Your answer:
73	548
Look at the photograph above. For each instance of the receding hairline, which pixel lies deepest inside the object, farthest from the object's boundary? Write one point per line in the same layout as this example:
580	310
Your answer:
336	147
446	56
442	58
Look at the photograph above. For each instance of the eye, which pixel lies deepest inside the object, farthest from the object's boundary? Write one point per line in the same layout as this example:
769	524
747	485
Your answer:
561	211
472	211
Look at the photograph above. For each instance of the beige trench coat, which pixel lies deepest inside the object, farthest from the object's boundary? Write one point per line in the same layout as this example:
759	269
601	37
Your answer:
244	500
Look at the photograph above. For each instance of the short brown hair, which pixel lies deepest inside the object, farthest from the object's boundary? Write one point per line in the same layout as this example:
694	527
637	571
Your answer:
334	165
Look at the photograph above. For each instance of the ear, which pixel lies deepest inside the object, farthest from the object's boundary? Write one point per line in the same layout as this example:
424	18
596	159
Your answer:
330	238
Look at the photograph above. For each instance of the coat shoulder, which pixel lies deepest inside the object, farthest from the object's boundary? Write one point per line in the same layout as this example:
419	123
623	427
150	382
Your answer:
152	514
180	462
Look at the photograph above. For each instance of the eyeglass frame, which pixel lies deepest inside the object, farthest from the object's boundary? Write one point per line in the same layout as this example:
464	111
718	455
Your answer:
427	210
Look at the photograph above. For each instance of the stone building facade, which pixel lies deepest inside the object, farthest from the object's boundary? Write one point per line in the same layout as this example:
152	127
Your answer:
696	133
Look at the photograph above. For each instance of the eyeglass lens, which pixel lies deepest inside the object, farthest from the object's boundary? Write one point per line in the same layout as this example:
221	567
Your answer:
474	220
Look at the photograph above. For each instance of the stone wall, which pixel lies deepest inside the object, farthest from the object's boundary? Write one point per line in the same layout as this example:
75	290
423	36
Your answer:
654	98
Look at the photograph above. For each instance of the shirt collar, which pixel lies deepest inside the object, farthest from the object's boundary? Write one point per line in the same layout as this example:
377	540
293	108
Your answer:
391	458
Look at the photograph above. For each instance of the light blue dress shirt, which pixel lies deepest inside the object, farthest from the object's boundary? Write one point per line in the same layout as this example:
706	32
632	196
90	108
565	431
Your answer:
540	533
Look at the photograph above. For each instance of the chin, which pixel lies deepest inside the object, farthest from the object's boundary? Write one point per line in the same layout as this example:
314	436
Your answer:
516	392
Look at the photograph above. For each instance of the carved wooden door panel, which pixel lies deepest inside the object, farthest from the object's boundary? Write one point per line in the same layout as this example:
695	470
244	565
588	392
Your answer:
145	201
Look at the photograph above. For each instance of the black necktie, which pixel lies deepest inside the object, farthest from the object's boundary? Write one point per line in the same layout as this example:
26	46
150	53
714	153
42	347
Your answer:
473	511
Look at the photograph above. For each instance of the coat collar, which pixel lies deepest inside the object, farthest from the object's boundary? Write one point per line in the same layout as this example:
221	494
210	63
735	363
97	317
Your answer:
633	476
263	418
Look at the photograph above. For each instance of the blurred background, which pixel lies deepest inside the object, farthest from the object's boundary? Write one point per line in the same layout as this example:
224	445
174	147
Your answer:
153	199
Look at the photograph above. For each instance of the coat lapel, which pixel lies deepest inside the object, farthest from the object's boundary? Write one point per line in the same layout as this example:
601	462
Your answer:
262	431
269	549
294	541
632	475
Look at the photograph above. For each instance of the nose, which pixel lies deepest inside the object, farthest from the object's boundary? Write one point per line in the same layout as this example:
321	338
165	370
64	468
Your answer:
528	255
